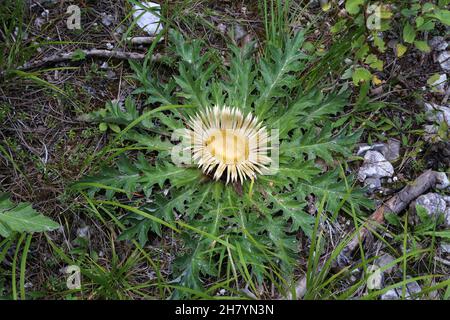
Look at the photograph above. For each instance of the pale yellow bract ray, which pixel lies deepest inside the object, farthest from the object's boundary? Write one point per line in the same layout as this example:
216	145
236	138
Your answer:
222	139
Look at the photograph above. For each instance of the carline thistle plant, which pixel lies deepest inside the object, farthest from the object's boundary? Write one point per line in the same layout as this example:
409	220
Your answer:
240	210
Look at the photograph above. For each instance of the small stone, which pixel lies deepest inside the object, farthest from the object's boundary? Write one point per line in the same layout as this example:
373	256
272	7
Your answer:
239	32
431	131
444	60
438	43
437	113
391	150
147	19
391	294
107	19
222	28
110	74
28	285
39	22
375	166
433	203
120	29
45	14
383	261
364	148
83	232
412	289
445	248
447	217
443	182
440	84
372	184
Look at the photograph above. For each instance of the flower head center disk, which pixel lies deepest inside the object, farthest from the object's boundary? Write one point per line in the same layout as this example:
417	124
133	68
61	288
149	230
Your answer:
228	147
224	142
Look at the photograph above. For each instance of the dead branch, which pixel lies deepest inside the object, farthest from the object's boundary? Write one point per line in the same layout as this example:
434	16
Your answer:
93	53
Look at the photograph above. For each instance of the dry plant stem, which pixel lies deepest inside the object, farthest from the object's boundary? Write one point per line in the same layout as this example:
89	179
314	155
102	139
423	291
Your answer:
94	53
394	205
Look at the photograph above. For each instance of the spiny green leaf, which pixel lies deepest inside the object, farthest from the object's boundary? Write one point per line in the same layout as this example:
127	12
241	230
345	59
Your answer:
293	208
241	78
320	144
178	176
195	70
299	170
22	218
275	72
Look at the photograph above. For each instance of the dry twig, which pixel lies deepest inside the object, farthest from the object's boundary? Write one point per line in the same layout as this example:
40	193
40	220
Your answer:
94	53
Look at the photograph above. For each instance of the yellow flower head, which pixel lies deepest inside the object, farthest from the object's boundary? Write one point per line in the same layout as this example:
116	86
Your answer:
222	139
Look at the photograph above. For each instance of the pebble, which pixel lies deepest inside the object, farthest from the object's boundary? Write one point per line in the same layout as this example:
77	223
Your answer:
445	248
222	28
391	150
146	19
375	166
107	19
39	22
435	204
83	232
437	113
239	32
440	84
412	289
372	184
384	260
110	74
438	43
444	60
